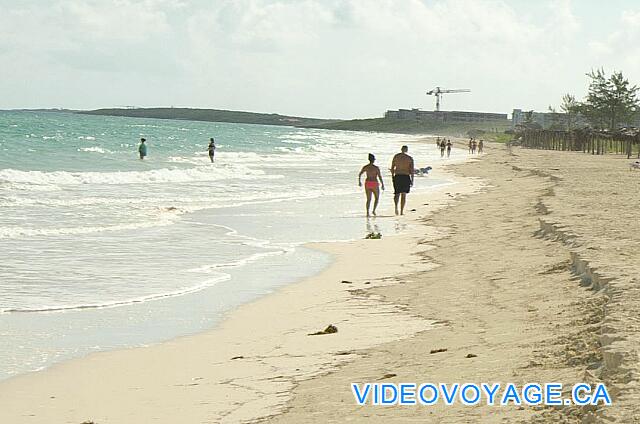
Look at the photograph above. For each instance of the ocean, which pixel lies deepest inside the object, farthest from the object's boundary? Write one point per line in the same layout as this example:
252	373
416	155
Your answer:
100	250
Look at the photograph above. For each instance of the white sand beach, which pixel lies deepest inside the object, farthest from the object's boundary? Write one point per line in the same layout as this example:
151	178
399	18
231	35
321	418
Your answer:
510	272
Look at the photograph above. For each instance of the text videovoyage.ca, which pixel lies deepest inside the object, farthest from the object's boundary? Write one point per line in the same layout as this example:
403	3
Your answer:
495	394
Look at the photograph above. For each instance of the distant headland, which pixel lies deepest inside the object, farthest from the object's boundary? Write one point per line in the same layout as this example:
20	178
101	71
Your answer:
387	123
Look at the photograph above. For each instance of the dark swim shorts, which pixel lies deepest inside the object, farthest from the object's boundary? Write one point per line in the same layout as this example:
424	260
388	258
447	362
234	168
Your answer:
401	184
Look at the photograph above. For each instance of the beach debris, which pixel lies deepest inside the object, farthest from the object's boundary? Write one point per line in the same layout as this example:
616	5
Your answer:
344	352
169	209
329	330
346	282
471	355
413	210
373	236
389	375
88	422
367	282
438	350
237	357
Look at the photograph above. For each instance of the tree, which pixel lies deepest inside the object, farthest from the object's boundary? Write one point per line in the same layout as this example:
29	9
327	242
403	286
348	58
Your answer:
528	122
610	101
554	119
570	107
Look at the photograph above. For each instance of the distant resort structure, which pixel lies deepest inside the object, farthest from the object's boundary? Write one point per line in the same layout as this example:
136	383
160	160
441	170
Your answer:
544	120
447	116
548	120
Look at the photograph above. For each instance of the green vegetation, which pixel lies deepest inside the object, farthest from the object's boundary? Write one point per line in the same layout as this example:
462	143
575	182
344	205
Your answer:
611	102
570	107
409	126
500	137
211	115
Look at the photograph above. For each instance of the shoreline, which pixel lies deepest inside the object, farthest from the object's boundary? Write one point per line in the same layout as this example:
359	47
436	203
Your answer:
71	380
508	276
536	282
177	263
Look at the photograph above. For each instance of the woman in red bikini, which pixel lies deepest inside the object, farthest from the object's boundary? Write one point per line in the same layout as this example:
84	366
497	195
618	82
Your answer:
371	183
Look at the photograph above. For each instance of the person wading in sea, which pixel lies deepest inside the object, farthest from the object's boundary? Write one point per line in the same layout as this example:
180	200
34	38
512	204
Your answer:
142	149
402	172
212	148
371	183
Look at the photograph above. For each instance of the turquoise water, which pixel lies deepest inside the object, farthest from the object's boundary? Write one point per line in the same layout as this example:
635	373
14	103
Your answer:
102	250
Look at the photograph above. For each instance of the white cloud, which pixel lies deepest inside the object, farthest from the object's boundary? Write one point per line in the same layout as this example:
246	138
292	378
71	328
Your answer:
311	57
120	20
620	49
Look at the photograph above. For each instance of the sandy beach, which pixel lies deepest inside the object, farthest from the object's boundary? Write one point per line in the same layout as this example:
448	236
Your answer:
523	270
191	229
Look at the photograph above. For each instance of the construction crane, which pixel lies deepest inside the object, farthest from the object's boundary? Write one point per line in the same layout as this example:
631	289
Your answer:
438	92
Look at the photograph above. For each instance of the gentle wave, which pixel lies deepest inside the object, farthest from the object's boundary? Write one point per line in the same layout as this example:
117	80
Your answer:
20	232
166	215
163	175
180	292
227	199
240	262
94	149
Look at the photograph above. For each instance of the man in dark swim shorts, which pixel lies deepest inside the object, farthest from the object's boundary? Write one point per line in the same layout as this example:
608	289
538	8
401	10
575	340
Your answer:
402	172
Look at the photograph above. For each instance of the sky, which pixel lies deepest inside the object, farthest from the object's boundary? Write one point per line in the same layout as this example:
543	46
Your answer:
317	58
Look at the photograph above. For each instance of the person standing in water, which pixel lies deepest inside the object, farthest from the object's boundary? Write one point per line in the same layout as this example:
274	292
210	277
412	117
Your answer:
449	145
212	148
443	146
142	149
402	171
480	146
371	183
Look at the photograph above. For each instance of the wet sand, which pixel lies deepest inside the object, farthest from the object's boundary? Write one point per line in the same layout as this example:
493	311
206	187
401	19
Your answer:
537	278
246	368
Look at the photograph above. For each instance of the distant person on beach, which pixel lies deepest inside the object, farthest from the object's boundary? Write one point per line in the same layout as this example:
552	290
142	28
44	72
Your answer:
212	148
371	186
474	144
142	149
480	146
470	144
449	145
402	173
443	146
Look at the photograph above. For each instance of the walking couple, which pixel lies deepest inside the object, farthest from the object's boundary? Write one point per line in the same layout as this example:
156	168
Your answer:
402	171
